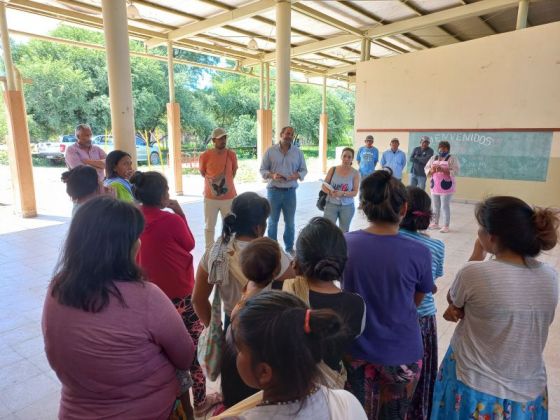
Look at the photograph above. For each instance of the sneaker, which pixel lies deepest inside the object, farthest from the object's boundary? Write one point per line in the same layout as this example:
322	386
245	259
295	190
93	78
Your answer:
433	226
444	229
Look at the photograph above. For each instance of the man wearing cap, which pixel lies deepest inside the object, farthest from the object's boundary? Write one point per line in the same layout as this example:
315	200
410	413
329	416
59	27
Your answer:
367	157
394	159
218	167
419	158
282	165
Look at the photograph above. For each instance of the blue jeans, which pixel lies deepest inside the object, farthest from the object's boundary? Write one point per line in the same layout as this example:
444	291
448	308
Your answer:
282	200
344	214
418	181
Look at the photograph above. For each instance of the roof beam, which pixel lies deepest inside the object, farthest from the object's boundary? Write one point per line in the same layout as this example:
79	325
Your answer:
322	17
419	13
341	69
205	25
399	27
329	20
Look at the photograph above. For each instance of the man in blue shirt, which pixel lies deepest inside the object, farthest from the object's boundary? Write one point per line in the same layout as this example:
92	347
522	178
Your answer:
394	159
282	165
367	157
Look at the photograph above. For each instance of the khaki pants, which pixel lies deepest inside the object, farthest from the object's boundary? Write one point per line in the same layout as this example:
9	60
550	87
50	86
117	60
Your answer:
211	209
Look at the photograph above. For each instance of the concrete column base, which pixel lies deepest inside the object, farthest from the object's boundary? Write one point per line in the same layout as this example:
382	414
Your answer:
323	131
19	154
264	132
174	142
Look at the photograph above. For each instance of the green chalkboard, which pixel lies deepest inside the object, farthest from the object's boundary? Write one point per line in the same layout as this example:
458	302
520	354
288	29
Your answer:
520	155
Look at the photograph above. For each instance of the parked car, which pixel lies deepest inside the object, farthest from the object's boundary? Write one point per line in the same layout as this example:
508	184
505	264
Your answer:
54	151
143	151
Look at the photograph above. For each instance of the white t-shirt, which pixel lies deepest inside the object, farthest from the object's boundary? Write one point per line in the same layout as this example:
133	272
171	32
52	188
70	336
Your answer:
508	311
324	404
231	292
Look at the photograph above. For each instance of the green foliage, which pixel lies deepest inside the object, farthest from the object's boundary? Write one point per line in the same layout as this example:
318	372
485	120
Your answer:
243	132
305	110
70	86
55	99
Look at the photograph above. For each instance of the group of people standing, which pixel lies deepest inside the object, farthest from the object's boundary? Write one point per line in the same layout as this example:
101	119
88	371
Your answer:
440	167
336	325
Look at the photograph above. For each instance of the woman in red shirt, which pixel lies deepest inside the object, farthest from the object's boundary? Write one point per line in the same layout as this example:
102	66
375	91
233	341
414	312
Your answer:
165	256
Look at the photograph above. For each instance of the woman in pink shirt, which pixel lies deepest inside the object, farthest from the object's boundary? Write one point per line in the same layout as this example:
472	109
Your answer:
113	339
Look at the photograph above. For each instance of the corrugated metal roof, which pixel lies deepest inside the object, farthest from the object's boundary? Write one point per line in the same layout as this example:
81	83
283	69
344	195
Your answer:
312	21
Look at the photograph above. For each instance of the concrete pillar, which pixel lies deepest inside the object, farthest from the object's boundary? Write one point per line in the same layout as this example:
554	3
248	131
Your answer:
261	87
367	52
115	25
174	129
323	129
264	132
174	143
19	151
267	84
363	50
264	116
283	31
171	72
522	12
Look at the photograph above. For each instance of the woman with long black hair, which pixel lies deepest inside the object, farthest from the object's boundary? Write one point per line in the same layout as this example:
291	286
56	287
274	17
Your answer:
113	339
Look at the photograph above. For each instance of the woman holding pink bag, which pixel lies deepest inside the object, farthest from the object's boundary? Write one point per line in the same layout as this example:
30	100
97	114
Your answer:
442	168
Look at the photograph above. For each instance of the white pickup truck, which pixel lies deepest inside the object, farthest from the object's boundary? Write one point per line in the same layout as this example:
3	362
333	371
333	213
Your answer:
54	151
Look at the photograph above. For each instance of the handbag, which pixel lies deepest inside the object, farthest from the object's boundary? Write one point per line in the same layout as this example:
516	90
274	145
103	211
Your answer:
322	199
211	341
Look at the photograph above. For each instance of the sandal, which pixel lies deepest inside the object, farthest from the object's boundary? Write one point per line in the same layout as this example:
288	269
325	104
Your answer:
209	403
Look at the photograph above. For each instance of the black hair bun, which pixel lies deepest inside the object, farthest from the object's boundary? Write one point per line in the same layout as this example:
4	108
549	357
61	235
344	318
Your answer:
327	269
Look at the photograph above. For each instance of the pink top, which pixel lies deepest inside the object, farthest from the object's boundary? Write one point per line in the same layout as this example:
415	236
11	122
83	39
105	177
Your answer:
120	362
442	183
75	156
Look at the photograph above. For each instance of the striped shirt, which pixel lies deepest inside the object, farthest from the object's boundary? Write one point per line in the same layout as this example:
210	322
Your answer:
437	249
508	311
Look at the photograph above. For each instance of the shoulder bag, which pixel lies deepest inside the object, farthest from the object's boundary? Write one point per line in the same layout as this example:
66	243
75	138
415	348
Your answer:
322	199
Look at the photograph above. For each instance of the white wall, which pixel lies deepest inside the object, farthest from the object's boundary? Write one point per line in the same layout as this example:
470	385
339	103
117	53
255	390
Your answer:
505	81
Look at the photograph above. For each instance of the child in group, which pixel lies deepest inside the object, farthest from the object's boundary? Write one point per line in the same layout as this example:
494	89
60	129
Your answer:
415	222
260	264
82	184
280	341
494	366
118	170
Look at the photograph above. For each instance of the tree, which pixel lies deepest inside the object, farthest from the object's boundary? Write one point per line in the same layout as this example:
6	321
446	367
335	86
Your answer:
243	132
55	99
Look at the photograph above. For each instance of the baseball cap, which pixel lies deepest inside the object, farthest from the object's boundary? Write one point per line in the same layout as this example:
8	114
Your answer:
218	132
424	138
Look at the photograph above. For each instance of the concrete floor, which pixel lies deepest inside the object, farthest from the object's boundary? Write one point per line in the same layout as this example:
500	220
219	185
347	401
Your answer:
29	389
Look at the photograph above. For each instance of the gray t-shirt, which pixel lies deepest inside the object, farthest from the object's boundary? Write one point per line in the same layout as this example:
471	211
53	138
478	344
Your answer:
342	183
231	291
508	311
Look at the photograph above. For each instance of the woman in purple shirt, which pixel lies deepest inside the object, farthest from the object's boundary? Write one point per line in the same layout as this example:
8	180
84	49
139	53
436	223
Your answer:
113	339
392	274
